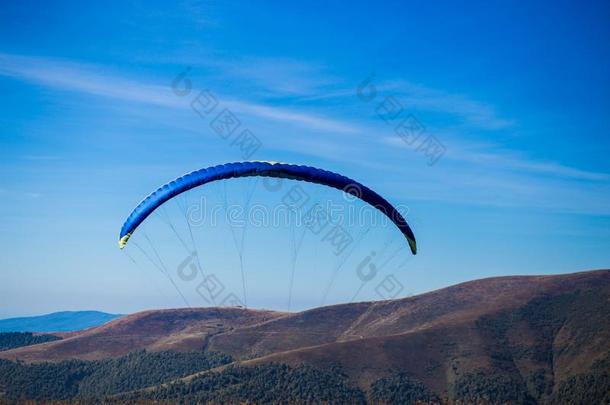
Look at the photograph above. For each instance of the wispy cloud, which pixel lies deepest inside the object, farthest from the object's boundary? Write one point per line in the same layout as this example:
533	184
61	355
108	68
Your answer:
281	77
264	76
40	157
473	112
19	194
280	114
82	78
91	80
509	160
517	179
411	96
452	184
491	156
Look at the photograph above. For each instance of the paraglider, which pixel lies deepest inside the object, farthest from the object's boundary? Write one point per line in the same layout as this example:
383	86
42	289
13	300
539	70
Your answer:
264	169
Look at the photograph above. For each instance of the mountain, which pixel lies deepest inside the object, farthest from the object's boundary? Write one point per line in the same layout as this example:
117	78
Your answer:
64	321
159	330
518	339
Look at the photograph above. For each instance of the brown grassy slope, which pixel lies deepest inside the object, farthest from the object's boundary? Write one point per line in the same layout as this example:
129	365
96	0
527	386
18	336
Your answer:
548	329
435	335
453	305
172	329
537	331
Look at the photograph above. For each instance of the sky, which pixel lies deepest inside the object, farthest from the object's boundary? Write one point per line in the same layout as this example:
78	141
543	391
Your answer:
487	123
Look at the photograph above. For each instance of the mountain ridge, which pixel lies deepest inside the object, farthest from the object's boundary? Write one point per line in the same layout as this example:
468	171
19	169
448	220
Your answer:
339	322
61	321
529	337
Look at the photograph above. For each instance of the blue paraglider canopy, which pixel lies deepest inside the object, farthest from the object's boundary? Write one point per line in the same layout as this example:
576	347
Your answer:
264	169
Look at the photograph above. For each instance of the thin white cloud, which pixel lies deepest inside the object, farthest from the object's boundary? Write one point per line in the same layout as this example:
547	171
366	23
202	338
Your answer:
412	96
502	189
19	194
40	157
515	180
493	157
511	161
90	80
269	77
82	78
280	114
280	77
473	112
306	81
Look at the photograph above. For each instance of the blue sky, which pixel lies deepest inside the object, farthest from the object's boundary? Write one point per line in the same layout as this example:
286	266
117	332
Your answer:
517	93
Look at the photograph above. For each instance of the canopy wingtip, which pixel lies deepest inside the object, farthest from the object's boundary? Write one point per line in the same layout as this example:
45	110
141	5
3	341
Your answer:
412	245
123	241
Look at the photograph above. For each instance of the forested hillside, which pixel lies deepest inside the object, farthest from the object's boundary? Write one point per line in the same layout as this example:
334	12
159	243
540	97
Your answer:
12	340
98	379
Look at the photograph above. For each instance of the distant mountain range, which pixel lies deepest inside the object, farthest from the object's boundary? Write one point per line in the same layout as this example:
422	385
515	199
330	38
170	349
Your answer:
65	321
518	339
